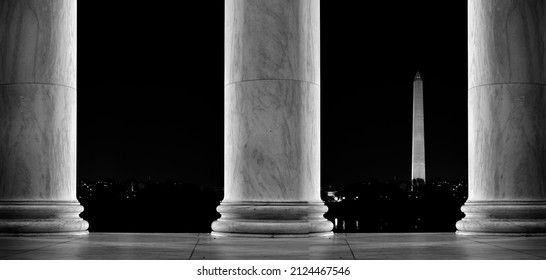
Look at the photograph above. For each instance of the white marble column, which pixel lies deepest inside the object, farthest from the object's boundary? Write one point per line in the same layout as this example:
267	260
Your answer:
506	118
272	120
38	118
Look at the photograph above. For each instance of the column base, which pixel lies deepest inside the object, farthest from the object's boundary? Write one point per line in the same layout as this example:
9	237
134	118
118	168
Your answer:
503	218
215	234
272	219
41	218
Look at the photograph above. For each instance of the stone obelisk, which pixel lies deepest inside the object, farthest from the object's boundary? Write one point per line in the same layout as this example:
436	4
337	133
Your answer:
272	120
418	139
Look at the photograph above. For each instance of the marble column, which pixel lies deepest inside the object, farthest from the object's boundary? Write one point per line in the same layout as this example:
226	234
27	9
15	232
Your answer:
506	118
38	118
272	120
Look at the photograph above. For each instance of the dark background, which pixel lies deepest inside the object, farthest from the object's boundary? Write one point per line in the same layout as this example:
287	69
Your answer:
150	89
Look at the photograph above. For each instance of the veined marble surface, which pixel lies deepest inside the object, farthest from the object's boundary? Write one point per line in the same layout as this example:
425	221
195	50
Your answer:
272	40
507	82
37	142
38	118
38	42
506	118
272	141
272	119
506	42
507	147
38	100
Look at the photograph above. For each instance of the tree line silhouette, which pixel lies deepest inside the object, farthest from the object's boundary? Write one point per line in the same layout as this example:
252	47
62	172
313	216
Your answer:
173	206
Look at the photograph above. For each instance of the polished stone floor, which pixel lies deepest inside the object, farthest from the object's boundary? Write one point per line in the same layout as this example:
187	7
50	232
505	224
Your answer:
201	246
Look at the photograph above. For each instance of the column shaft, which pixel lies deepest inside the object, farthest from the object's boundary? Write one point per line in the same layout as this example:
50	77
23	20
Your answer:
272	119
38	118
506	118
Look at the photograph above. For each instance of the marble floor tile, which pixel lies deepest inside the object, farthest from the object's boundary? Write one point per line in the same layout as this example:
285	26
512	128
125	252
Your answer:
514	243
105	253
277	248
109	251
184	246
25	243
250	248
440	253
9	254
330	249
136	239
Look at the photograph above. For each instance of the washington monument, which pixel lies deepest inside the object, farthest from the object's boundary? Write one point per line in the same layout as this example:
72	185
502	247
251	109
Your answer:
418	144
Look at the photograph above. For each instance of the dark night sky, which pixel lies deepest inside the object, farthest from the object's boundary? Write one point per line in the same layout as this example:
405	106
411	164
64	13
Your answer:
150	89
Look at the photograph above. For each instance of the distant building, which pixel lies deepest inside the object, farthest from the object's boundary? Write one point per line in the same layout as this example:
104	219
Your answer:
418	139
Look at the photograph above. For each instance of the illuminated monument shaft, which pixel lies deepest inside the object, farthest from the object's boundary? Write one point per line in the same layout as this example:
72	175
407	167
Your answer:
418	145
38	118
272	120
